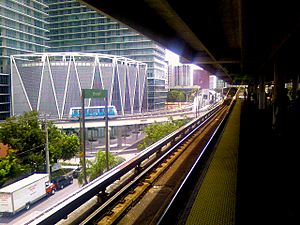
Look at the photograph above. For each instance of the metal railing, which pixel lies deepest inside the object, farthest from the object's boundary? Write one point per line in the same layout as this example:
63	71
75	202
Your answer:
173	214
64	207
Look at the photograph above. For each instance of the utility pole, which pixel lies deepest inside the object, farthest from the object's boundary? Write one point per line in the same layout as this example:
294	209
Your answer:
83	137
47	148
107	133
93	93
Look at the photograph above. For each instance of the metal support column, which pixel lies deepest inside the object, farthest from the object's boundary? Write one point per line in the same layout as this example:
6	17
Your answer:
83	137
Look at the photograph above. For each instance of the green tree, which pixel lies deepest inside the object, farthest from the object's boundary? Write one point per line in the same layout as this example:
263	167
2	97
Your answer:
10	167
61	145
24	134
157	131
175	96
98	167
192	94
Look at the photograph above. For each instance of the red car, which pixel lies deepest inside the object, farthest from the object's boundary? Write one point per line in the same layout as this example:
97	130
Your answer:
50	188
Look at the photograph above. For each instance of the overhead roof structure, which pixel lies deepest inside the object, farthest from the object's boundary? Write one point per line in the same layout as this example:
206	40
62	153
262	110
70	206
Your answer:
234	39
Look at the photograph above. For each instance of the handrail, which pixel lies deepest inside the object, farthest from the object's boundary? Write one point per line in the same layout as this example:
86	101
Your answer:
168	216
85	193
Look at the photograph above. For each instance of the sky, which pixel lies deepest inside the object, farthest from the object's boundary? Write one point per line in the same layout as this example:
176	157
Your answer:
173	59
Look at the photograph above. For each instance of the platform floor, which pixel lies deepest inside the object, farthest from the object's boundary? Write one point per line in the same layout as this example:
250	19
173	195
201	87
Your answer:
253	177
216	199
268	170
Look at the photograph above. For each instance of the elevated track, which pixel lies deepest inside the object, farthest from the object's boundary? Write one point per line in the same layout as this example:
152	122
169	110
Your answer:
106	199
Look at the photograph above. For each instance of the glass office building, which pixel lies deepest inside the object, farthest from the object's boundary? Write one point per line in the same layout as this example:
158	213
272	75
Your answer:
77	28
33	26
22	30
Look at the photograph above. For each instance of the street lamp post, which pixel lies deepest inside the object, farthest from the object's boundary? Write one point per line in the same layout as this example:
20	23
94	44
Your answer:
45	129
47	150
93	93
106	132
83	137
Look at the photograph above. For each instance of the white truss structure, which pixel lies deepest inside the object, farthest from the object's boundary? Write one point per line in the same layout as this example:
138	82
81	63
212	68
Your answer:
51	83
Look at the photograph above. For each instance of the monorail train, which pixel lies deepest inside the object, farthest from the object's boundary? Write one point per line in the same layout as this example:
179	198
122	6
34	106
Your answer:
93	112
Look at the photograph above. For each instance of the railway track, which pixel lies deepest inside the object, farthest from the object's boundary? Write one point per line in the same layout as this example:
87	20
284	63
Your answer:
109	197
143	196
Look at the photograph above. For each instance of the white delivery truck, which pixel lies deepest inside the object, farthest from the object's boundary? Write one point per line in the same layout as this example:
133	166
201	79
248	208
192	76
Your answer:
23	193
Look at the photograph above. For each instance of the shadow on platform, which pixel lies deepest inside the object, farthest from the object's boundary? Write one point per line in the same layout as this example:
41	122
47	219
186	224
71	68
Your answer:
268	170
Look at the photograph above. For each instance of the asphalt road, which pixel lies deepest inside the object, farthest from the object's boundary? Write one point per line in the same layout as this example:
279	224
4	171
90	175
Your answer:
24	215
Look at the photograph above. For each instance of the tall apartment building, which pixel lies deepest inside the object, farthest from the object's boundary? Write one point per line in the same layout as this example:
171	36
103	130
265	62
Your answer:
77	28
22	30
201	78
182	75
171	77
220	84
212	82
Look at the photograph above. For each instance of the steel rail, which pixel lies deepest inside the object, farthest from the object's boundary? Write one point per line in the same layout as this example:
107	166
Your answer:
64	207
172	214
137	179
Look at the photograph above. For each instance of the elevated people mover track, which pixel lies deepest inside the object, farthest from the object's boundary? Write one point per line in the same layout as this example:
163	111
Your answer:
139	190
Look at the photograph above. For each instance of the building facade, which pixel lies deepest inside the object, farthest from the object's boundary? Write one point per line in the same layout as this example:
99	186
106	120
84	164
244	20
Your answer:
212	82
75	27
201	78
22	30
182	75
51	83
30	26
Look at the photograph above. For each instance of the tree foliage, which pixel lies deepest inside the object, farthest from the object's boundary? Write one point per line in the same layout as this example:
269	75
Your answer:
24	134
62	146
181	95
175	96
97	167
192	94
10	167
157	131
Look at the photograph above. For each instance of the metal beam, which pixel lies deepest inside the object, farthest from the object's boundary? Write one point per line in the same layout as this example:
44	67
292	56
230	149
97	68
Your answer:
217	62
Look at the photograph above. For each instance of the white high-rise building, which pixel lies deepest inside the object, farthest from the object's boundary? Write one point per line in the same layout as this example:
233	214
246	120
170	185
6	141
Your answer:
181	75
212	82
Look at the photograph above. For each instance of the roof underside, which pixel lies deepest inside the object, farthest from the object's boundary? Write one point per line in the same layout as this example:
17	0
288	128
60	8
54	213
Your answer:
237	40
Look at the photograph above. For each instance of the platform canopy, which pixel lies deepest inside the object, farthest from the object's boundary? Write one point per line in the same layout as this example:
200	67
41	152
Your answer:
234	39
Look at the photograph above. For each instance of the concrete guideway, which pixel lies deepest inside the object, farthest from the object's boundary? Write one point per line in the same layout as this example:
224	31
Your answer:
124	122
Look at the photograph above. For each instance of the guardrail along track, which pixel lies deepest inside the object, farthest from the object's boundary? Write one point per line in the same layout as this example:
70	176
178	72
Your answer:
112	188
154	187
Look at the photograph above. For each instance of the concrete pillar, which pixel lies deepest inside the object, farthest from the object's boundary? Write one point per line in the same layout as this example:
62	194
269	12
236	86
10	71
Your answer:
119	136
261	93
279	81
136	132
295	86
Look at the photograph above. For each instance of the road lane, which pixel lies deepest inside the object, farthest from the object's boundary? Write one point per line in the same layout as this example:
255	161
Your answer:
23	216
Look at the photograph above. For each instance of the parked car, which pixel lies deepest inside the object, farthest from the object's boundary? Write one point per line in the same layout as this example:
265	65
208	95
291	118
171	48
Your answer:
77	172
61	181
50	188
